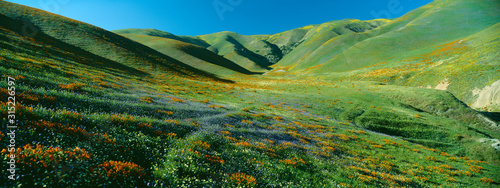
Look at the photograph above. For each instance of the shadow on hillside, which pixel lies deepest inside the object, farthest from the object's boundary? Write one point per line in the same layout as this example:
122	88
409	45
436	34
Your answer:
185	69
99	60
261	61
495	116
215	59
56	48
159	60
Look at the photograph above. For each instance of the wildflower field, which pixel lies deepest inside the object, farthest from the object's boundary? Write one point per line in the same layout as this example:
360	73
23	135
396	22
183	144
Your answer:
94	108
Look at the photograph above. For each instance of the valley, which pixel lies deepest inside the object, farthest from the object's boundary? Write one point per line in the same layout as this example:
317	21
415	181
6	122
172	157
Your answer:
405	102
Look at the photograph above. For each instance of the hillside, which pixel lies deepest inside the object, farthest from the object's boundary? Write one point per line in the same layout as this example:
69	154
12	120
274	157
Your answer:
164	34
427	47
146	108
193	55
259	52
100	42
417	50
231	46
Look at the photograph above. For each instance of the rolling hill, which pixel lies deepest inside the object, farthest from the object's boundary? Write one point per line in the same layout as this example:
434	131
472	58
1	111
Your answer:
98	41
192	55
420	49
429	46
259	52
146	108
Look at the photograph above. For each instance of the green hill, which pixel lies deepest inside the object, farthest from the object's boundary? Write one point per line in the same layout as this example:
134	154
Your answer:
259	52
317	36
100	42
134	109
369	50
192	55
417	50
424	48
416	33
231	46
164	34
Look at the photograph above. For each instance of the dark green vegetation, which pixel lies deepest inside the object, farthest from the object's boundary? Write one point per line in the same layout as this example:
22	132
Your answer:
338	105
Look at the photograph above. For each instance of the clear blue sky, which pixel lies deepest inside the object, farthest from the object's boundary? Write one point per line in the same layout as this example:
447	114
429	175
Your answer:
196	17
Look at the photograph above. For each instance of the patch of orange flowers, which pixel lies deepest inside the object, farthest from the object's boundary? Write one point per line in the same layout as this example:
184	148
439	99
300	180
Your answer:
214	159
171	121
244	144
165	112
430	158
47	156
486	180
214	106
242	178
147	99
174	99
293	162
247	121
278	118
171	134
142	125
390	142
72	87
201	144
117	169
60	128
476	169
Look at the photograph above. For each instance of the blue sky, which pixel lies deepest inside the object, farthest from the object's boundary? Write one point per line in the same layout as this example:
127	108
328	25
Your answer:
196	17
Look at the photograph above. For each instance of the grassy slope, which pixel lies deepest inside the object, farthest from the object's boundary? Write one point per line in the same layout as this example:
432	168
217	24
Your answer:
246	51
163	34
97	41
258	52
283	48
288	40
319	35
438	23
192	55
366	48
261	131
250	51
467	64
420	49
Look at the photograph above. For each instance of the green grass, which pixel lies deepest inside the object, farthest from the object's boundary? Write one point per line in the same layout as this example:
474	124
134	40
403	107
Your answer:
136	117
192	55
443	40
